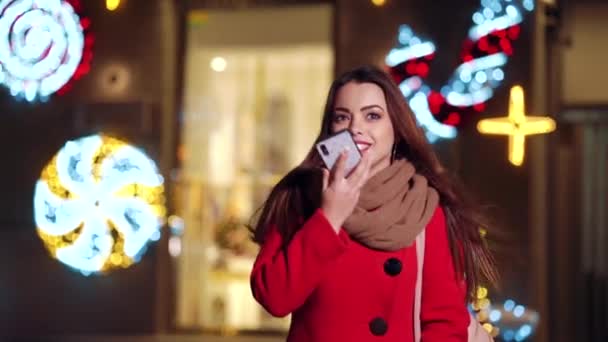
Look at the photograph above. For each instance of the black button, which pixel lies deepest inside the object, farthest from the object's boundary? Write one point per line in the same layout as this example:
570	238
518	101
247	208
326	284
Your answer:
392	266
378	326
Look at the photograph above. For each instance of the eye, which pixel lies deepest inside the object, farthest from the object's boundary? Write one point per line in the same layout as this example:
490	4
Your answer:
339	117
373	116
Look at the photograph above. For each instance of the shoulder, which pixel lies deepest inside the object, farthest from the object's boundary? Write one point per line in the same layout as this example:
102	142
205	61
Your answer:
437	226
438	218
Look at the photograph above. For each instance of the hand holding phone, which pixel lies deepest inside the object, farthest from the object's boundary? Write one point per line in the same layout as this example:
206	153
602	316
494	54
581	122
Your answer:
340	189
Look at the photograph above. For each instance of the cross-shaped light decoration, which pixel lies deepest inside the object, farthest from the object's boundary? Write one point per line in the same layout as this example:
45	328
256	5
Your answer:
517	126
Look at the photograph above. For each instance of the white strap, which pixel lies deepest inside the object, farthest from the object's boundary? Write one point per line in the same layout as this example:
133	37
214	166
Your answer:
420	242
475	331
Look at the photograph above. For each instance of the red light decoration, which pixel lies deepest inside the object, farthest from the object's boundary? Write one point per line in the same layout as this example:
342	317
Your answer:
44	46
483	55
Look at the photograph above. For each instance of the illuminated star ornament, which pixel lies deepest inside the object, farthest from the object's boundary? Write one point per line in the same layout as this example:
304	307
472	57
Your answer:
517	126
44	45
98	203
484	54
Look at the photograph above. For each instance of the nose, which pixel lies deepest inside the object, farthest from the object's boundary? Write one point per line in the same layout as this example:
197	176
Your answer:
356	126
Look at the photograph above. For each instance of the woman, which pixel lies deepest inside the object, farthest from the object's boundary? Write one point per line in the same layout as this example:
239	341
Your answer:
338	252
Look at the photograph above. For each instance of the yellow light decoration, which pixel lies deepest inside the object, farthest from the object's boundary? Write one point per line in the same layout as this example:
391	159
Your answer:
481	306
112	5
378	2
98	203
482	292
517	126
483	232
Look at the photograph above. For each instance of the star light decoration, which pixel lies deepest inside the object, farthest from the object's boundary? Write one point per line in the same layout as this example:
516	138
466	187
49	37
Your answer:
112	5
484	54
517	126
98	204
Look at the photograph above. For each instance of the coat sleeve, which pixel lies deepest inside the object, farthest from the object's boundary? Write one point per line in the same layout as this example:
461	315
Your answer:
283	278
444	315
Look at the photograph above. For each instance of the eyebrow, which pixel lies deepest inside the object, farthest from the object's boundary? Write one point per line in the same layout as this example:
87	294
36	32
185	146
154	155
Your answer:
362	108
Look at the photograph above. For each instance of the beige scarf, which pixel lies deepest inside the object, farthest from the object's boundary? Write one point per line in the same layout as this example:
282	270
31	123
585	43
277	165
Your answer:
394	206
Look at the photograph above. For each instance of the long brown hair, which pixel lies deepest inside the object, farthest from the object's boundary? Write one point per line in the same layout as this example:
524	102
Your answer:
297	195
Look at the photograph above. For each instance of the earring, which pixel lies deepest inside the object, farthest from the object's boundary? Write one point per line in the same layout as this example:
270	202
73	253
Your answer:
394	152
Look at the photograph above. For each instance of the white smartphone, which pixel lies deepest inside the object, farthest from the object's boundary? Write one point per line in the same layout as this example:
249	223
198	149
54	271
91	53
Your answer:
330	149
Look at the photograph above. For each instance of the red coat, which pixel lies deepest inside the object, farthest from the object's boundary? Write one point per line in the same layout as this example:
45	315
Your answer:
339	290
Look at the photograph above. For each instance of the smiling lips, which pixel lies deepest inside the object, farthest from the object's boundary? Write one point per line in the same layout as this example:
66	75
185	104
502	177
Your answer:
362	145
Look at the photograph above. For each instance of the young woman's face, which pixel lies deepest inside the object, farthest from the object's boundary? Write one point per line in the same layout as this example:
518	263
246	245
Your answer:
361	108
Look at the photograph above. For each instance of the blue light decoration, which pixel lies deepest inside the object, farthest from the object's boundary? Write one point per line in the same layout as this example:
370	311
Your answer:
514	321
98	203
509	321
484	54
44	46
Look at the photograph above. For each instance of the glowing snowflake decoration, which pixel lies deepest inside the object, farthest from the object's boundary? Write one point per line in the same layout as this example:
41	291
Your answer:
98	203
41	46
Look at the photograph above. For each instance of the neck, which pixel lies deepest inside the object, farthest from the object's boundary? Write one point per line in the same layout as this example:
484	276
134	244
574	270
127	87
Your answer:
379	166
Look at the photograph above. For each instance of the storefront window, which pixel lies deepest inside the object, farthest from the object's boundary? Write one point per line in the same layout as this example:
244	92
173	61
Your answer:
252	108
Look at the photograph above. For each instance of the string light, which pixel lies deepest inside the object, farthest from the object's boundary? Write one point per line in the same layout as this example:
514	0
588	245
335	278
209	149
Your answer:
44	45
98	203
378	2
484	54
509	321
517	126
512	321
480	308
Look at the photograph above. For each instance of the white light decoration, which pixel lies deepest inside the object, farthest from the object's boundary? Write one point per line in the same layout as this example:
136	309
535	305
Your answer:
41	46
218	64
98	203
434	128
484	54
